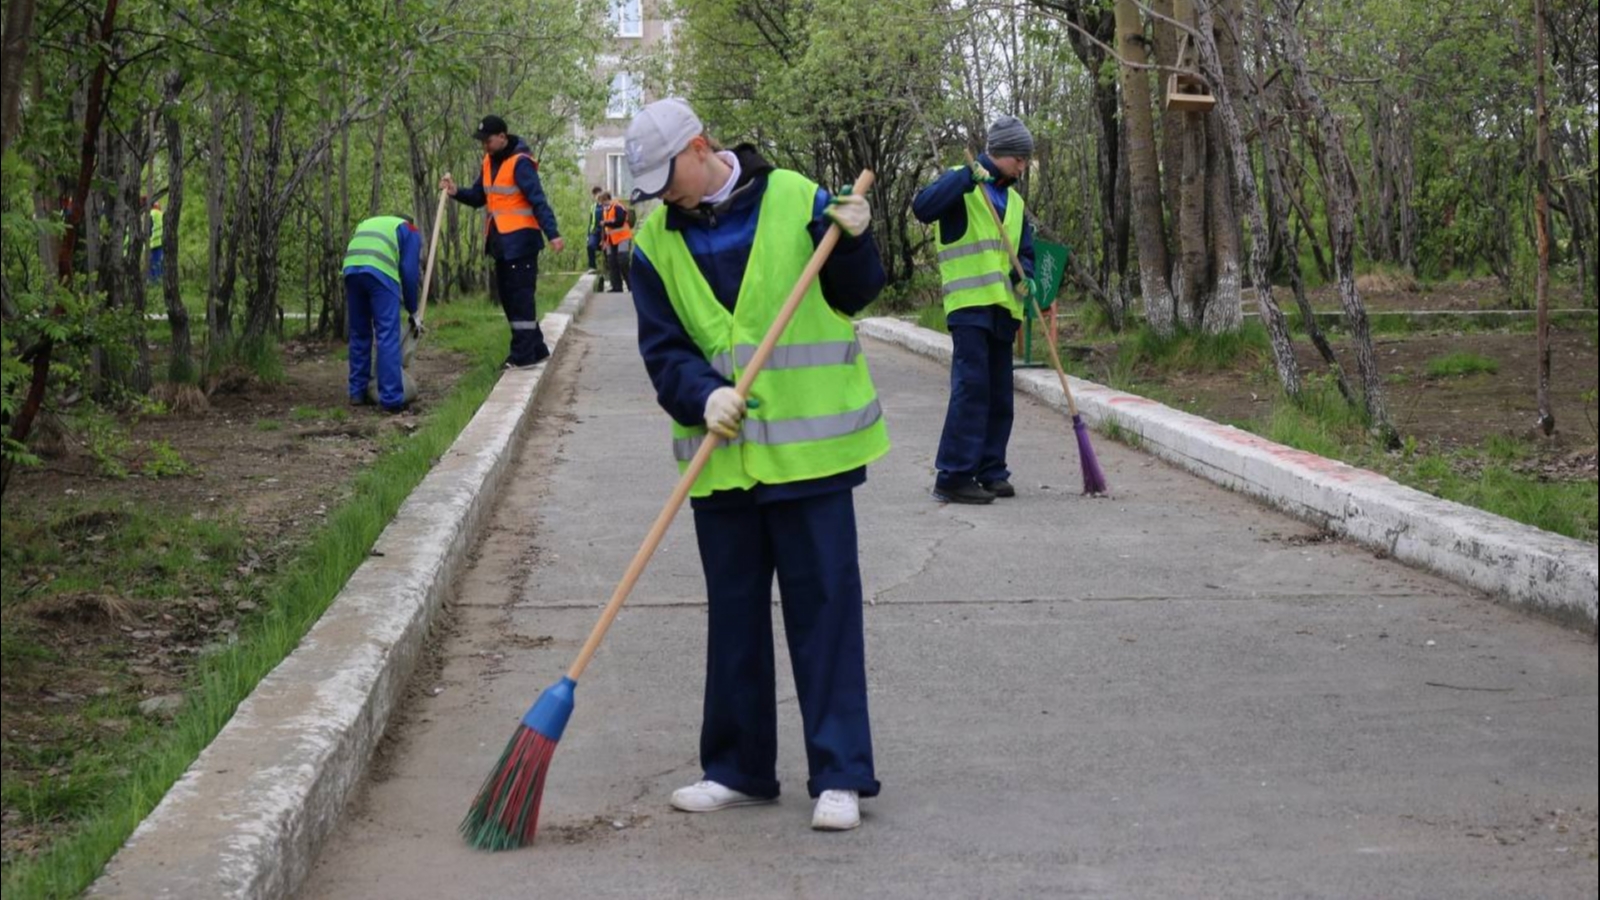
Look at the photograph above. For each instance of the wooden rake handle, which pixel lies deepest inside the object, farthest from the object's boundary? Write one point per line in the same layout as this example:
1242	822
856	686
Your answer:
433	249
1016	264
680	492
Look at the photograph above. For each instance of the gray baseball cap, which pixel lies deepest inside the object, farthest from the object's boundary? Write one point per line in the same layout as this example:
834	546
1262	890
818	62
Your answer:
657	134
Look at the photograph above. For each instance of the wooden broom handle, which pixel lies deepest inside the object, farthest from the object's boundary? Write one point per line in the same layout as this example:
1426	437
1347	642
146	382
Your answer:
433	248
680	492
1005	241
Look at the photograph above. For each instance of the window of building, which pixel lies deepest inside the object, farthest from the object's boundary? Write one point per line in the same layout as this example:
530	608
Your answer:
629	17
625	96
619	181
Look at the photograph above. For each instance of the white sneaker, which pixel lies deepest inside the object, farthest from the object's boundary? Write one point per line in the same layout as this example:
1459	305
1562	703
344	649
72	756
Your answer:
709	796
837	811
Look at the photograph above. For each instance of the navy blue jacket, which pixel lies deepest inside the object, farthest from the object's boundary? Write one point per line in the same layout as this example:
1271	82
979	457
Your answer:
944	202
719	239
410	242
525	241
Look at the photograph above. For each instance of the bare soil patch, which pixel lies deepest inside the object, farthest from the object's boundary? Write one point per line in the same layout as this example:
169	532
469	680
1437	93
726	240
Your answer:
268	461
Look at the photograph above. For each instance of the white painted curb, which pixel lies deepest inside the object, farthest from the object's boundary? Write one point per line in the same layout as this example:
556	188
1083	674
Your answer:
1519	564
248	817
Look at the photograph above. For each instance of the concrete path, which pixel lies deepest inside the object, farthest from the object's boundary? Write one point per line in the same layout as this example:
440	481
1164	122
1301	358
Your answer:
1174	692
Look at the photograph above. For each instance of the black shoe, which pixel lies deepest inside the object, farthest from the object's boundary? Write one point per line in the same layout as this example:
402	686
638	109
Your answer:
971	492
362	400
538	356
999	488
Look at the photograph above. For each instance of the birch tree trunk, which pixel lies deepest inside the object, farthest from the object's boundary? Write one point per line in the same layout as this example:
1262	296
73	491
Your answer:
1338	181
1244	186
1144	174
1541	222
180	365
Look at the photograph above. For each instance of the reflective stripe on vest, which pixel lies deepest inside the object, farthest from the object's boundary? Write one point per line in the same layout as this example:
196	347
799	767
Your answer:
791	431
375	246
975	270
508	209
819	414
790	356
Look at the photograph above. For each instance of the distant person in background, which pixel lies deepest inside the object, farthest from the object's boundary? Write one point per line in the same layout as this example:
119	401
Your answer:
617	222
157	244
382	271
595	231
520	220
981	309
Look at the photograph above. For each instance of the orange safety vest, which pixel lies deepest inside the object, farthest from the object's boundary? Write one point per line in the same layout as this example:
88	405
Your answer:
508	209
616	234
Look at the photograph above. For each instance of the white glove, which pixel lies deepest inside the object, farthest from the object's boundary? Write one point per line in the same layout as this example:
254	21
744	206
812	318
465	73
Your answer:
724	411
851	212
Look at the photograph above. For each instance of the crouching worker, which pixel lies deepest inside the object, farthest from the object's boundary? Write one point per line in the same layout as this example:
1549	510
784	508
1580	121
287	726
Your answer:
712	267
381	272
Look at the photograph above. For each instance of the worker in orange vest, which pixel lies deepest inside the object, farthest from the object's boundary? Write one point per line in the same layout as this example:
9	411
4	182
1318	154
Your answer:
520	221
616	222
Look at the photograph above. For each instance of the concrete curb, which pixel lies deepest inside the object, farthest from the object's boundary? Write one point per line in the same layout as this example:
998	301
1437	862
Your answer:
248	817
1549	574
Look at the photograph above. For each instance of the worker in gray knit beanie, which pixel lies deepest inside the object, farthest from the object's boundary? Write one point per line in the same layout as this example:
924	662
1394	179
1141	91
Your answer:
1009	137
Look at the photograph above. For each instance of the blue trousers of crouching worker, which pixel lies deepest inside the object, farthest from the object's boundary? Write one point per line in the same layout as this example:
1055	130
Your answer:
372	306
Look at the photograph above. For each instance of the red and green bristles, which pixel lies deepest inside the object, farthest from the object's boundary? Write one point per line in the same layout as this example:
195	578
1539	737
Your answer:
505	814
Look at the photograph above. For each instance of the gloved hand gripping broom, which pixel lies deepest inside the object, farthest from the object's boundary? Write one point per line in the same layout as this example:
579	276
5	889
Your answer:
506	811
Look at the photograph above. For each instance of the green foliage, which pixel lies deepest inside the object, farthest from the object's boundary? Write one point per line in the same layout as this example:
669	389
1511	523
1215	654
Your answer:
1322	422
262	357
166	462
1494	477
1122	434
1461	362
107	442
1500	484
147	553
1197	352
73	318
933	317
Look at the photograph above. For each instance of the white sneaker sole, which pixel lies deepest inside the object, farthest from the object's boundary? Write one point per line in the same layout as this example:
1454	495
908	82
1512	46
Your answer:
835	826
748	801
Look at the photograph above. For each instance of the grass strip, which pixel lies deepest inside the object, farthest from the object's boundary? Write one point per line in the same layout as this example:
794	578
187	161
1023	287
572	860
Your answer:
296	598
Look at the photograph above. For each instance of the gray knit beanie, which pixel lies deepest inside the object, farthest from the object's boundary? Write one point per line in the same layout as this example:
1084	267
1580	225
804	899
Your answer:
1009	137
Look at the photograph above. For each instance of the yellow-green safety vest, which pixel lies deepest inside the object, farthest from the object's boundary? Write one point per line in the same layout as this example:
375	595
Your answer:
974	270
376	245
818	413
156	223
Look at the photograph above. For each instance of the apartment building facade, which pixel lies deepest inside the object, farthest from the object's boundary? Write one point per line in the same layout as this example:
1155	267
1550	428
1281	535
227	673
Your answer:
638	29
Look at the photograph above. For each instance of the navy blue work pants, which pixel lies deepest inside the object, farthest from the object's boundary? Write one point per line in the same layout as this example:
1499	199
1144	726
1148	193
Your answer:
372	306
977	424
517	279
811	545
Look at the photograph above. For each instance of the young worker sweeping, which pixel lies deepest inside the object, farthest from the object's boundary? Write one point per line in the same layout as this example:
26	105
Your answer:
711	268
981	310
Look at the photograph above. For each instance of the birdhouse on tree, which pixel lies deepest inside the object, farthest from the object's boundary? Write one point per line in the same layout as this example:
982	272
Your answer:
1186	90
